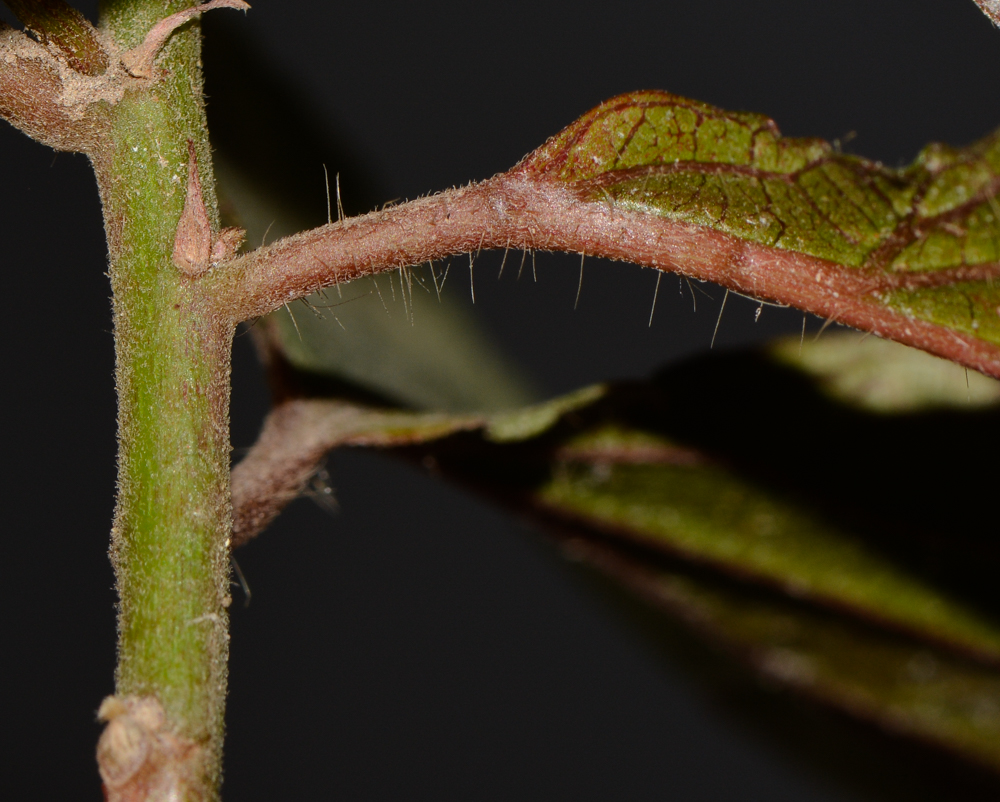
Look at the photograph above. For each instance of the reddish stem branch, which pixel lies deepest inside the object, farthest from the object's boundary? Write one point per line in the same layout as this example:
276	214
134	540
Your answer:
278	467
64	28
33	97
297	436
520	210
991	8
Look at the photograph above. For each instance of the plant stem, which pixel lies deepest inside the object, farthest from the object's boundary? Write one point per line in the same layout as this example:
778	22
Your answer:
520	210
172	520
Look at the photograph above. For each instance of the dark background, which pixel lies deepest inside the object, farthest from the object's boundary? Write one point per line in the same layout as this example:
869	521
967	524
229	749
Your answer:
420	644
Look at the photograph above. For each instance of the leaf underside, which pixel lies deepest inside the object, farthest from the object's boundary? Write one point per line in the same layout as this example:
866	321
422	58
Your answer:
925	238
656	152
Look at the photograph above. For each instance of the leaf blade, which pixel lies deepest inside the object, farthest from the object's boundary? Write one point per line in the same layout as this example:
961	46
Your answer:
815	607
899	685
733	171
705	514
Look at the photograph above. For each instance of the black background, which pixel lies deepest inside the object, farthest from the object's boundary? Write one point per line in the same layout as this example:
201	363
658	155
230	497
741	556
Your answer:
419	644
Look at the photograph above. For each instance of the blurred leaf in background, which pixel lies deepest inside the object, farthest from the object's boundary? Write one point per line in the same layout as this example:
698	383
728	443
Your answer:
879	611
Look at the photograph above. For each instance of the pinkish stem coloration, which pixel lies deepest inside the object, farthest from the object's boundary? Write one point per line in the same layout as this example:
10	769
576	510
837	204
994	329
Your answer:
519	209
991	8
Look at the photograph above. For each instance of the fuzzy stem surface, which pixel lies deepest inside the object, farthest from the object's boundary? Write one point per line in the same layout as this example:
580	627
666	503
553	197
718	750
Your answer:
172	518
522	211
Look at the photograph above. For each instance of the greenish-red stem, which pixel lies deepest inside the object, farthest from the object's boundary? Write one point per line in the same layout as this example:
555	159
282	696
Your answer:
523	210
172	520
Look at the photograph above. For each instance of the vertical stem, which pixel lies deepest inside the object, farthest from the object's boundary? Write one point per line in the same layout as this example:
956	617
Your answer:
172	347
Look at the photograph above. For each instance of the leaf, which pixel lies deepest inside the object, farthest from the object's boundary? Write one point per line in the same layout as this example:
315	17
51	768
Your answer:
523	424
732	171
609	462
882	376
926	238
901	685
814	578
649	177
402	343
704	513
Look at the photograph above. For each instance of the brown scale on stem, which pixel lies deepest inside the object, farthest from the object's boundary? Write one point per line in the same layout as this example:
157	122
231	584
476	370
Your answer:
139	758
195	247
193	242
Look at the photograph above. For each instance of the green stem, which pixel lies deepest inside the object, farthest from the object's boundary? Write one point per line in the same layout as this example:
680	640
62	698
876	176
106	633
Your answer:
172	346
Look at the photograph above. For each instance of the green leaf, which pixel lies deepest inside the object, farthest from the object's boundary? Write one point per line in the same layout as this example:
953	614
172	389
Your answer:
889	248
733	171
750	564
528	422
883	376
864	578
709	515
901	685
394	337
608	462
